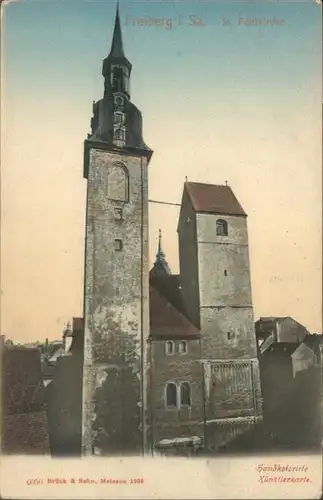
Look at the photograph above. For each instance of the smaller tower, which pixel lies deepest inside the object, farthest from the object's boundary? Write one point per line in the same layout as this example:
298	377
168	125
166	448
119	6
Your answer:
161	267
215	274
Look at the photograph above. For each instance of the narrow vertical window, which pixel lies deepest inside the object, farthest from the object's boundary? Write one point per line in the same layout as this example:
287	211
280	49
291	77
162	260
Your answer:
182	347
171	395
118	245
225	272
170	347
185	394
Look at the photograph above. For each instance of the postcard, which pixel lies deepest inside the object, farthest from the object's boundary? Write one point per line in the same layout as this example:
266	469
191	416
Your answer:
161	250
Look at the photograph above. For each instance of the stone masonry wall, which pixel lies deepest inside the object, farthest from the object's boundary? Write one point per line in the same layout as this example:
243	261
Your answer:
229	350
188	260
177	368
116	305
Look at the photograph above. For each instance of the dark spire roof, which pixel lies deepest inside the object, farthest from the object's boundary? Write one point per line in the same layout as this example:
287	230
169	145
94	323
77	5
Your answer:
161	266
117	44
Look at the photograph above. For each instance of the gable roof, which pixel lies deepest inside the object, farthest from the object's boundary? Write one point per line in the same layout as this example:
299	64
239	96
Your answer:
166	321
167	313
170	287
213	198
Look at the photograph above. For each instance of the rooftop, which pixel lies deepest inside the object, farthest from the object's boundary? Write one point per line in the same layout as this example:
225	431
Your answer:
213	198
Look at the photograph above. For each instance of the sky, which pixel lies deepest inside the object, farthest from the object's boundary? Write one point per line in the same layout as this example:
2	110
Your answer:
224	100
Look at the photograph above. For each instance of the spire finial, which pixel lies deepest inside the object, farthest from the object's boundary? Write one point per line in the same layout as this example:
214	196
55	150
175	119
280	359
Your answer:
117	43
226	183
185	178
159	240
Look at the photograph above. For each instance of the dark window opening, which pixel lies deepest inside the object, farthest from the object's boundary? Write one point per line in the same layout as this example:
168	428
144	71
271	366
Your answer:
117	245
169	347
185	394
225	273
171	396
182	347
221	228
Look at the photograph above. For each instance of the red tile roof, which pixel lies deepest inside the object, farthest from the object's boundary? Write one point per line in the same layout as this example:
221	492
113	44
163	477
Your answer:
170	287
167	314
166	321
213	199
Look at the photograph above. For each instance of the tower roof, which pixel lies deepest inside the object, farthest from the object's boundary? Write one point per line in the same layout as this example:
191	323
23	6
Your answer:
161	267
117	43
213	198
117	52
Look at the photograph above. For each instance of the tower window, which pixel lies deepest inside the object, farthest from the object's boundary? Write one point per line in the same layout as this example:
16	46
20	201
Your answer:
225	272
171	395
118	245
118	117
170	347
231	335
118	213
182	347
221	227
120	133
185	394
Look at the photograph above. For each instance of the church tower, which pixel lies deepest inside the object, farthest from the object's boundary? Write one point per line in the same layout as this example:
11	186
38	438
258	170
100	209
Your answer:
116	309
216	287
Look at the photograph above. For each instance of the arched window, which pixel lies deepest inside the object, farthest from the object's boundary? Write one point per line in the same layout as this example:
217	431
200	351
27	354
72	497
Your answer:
185	394
171	395
170	347
182	347
118	183
221	227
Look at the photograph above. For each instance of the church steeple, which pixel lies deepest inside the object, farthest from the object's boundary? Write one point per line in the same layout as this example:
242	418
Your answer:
116	121
116	67
161	267
117	43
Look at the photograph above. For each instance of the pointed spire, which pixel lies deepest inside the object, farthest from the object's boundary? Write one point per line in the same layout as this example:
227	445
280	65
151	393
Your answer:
117	43
159	243
161	266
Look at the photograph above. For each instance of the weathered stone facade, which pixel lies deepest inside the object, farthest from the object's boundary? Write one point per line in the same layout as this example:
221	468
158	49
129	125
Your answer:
180	421
116	297
165	357
116	310
218	282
